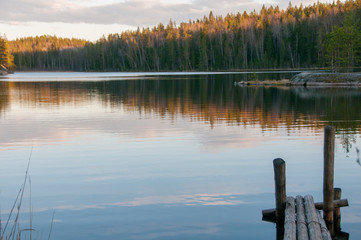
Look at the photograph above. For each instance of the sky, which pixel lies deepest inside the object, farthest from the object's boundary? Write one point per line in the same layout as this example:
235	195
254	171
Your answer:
90	19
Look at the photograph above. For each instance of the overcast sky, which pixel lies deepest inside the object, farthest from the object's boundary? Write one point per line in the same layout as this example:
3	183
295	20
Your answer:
90	19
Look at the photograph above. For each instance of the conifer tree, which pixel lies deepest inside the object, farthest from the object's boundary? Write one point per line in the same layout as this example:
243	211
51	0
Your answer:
6	58
343	45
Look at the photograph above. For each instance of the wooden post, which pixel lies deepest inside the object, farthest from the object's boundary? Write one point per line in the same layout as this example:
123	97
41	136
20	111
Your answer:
328	169
342	236
280	232
337	211
279	167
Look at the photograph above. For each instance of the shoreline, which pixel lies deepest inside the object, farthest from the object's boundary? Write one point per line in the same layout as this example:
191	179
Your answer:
311	78
314	79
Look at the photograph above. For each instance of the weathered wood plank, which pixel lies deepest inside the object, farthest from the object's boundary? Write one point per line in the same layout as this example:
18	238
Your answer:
314	229
302	232
290	219
270	213
324	231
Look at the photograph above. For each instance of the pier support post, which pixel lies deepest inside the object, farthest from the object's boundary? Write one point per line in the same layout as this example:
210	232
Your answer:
337	211
279	167
328	173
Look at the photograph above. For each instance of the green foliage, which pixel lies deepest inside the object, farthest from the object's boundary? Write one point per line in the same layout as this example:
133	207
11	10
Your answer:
343	44
292	38
6	58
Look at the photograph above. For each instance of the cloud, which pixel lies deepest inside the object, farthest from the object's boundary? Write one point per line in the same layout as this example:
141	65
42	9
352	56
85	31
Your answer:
128	12
208	199
137	13
90	19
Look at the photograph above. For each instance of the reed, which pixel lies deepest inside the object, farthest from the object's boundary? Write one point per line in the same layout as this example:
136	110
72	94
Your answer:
15	232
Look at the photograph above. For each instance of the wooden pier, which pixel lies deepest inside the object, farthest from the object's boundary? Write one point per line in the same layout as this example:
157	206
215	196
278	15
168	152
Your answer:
299	218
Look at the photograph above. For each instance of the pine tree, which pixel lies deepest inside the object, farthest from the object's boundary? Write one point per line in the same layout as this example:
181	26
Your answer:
6	58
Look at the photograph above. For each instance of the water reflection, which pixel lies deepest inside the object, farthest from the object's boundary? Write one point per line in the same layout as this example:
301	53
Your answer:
221	199
185	156
211	99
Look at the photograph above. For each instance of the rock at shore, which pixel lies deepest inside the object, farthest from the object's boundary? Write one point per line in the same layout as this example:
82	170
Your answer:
341	79
3	72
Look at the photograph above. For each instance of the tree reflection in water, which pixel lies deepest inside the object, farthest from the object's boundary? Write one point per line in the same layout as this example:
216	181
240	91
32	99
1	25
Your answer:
211	99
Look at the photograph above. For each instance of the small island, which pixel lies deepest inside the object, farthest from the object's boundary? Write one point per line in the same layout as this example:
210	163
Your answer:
311	79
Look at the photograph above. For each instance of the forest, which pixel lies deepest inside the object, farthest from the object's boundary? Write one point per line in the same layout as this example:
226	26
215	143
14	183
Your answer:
322	35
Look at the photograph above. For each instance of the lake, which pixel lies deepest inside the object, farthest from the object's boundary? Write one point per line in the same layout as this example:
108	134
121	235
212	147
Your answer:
168	156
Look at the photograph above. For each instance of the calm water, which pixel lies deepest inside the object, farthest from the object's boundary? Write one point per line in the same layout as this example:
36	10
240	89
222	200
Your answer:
183	156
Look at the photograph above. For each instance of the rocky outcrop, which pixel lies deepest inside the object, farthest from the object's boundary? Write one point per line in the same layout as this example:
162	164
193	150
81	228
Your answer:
321	79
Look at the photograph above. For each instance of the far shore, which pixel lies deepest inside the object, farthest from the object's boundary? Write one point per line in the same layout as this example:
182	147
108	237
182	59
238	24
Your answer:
317	78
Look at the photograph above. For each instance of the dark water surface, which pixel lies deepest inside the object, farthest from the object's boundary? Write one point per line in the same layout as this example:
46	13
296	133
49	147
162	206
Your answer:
182	156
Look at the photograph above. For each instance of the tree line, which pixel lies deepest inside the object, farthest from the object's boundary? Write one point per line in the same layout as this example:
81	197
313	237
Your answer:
319	35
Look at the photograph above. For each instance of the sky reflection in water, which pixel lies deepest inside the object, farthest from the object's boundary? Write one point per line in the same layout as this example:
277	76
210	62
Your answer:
189	158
